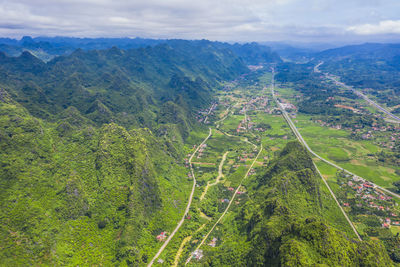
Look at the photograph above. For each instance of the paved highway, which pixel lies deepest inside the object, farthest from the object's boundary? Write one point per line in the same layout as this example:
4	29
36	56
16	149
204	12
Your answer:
357	92
298	135
187	207
300	138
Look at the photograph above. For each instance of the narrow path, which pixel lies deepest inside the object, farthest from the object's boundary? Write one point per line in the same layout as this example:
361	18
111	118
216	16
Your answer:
217	123
337	202
187	207
227	208
180	250
220	175
204	216
245	139
301	140
209	111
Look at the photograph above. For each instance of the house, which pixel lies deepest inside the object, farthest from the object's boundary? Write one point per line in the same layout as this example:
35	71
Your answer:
231	188
367	185
213	242
396	223
162	236
346	204
161	261
385	225
198	254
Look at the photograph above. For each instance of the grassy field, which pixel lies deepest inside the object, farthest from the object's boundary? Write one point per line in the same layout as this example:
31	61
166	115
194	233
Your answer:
336	145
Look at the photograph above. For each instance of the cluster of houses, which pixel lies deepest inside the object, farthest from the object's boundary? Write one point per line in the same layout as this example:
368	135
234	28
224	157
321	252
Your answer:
272	111
202	115
387	222
245	157
288	106
355	110
201	150
258	103
241	126
374	199
255	67
252	171
198	254
387	134
330	125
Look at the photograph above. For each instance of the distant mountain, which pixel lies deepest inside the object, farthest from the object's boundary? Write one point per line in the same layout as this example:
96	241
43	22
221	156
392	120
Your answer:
254	53
363	51
373	67
47	48
134	82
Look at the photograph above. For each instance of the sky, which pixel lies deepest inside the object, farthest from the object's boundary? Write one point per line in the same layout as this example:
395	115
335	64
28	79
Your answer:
223	20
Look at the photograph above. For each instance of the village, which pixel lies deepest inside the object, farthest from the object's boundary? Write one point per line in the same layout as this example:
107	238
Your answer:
360	197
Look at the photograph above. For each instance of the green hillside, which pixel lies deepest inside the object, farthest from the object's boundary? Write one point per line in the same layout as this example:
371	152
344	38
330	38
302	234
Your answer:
91	149
291	220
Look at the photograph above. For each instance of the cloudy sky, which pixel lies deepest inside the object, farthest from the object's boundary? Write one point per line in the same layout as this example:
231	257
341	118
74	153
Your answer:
225	20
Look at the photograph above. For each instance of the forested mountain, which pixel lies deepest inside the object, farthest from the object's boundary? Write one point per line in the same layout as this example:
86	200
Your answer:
47	48
254	53
363	51
90	148
126	86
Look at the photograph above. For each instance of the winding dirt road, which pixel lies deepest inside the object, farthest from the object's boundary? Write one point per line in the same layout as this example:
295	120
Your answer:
227	208
220	175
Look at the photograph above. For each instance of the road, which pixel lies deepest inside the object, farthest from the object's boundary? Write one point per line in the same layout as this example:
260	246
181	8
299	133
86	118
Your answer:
357	92
187	207
220	175
209	111
327	161
300	138
217	123
227	208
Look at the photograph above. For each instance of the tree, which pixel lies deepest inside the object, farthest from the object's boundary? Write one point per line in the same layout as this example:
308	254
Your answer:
397	185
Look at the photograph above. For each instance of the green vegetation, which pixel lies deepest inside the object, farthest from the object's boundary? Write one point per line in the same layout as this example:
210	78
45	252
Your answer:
373	67
288	221
95	148
92	147
70	195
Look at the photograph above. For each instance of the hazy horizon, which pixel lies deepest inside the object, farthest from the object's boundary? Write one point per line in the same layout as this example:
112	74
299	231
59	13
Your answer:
310	21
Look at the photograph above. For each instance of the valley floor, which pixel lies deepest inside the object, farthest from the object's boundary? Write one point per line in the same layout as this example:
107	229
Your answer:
247	131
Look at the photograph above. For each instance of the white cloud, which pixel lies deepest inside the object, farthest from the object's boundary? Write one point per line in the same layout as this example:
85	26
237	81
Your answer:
225	20
383	27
